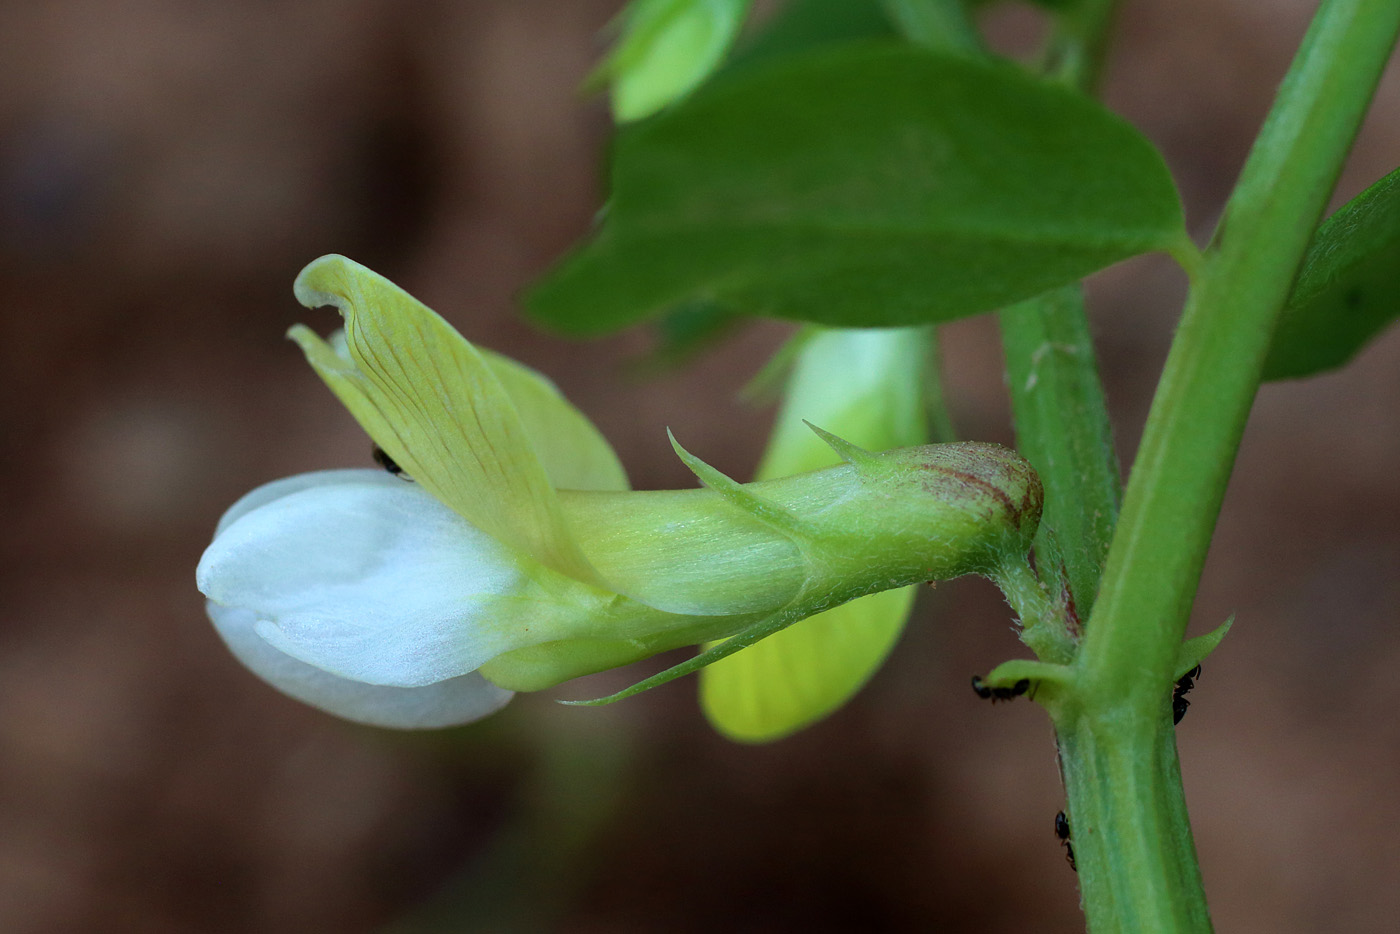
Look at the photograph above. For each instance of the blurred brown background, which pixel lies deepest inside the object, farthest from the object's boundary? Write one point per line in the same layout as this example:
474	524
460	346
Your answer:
167	166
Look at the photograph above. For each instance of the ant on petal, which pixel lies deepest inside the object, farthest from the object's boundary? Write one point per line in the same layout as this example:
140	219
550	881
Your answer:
382	458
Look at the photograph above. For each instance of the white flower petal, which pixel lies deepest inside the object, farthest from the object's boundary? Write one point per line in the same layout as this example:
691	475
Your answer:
302	481
364	576
446	703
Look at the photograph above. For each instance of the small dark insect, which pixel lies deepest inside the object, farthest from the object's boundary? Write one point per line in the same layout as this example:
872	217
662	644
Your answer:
1179	701
1062	831
987	692
384	460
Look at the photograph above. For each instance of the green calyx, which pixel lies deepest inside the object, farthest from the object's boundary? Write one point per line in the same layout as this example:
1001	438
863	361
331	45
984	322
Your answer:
912	514
757	557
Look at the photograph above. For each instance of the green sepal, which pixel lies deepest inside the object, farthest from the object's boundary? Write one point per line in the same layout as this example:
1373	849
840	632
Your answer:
1049	681
1194	651
853	454
770	514
868	384
934	512
794	612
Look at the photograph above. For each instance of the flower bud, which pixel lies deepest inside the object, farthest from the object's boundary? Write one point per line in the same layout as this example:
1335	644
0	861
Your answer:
667	47
867	385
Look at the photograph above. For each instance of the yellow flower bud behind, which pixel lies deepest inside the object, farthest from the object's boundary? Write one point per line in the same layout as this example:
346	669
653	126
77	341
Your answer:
667	47
868	386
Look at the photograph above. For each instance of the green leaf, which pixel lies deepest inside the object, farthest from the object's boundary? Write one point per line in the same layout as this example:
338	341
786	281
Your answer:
865	186
1348	289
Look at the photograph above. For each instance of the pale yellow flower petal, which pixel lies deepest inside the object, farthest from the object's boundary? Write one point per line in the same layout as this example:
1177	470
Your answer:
575	454
866	385
429	398
777	686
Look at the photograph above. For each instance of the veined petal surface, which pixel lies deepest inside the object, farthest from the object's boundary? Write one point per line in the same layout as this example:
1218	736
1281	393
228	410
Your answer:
366	577
573	451
429	398
446	703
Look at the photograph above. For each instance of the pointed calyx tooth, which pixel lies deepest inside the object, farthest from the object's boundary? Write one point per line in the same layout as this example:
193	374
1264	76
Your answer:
770	514
852	454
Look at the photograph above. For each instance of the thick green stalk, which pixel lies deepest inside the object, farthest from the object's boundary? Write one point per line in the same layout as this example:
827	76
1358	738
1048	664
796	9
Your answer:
1128	825
1078	44
941	429
941	25
1062	428
1127	815
1213	370
1057	402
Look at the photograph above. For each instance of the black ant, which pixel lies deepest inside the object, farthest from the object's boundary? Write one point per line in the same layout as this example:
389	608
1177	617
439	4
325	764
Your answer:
995	694
1062	831
382	458
1179	701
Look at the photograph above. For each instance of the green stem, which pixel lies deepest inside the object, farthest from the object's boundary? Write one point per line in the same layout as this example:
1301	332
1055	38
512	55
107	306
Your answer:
1128	825
941	428
1078	45
1128	819
1043	627
1062	428
941	25
1213	370
1057	401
